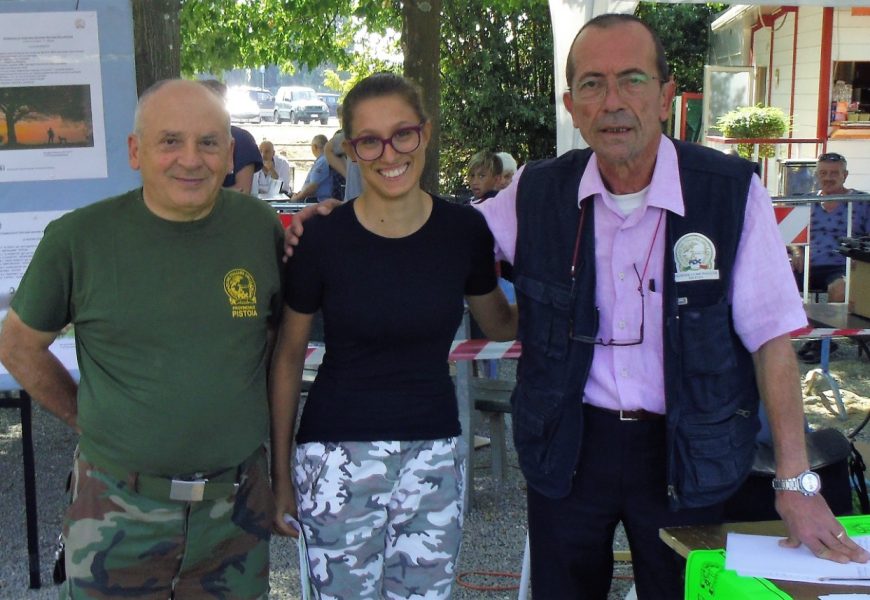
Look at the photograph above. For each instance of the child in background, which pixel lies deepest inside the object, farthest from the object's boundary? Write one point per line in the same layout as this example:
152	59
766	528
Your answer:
484	174
508	169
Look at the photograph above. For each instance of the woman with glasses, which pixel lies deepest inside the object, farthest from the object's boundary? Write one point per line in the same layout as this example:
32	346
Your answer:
377	482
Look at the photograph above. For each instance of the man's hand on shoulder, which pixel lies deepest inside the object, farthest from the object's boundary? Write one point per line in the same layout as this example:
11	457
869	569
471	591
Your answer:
810	522
293	233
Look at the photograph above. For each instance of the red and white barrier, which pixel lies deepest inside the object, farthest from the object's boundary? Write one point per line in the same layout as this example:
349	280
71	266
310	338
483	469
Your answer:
794	223
486	350
314	355
816	333
460	350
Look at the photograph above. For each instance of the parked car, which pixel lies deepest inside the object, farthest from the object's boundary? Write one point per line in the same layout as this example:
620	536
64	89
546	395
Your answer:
250	104
331	101
295	103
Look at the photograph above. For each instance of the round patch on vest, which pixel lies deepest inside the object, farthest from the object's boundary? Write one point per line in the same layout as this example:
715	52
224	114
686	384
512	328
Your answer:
695	257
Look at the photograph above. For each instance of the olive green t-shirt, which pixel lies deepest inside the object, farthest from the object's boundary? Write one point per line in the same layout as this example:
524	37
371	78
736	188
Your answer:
171	322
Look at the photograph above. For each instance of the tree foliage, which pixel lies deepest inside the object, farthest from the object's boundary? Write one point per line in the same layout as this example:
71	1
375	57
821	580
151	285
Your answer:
495	70
685	34
218	35
497	83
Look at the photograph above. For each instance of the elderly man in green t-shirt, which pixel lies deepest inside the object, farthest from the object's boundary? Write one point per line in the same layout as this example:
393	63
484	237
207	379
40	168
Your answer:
173	290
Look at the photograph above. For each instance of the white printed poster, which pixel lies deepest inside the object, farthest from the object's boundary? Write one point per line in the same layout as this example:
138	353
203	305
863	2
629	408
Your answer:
51	97
20	234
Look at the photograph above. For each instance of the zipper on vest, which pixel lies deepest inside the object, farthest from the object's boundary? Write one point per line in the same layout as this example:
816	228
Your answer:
676	349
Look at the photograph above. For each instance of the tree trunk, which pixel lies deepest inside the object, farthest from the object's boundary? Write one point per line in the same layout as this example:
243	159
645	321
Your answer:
11	138
421	36
157	35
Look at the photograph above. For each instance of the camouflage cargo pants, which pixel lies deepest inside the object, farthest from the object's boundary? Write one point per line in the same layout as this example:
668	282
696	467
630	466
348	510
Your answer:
121	544
381	519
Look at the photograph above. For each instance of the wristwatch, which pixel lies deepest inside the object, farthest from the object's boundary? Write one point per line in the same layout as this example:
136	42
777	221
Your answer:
807	483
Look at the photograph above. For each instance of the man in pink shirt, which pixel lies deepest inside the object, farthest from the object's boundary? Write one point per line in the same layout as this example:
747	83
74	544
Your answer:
655	306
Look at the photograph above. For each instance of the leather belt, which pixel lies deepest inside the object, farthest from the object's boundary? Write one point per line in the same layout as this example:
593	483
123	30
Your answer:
629	415
193	488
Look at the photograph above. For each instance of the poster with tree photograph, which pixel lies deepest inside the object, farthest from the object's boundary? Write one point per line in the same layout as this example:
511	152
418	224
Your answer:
51	119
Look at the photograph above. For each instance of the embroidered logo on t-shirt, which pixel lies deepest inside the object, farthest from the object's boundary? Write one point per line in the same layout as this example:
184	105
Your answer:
695	256
241	289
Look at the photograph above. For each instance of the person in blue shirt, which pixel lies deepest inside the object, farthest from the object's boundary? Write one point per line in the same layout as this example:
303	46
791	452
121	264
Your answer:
827	225
318	182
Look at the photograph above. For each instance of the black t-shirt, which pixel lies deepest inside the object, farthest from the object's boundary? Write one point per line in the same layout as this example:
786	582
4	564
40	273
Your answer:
391	307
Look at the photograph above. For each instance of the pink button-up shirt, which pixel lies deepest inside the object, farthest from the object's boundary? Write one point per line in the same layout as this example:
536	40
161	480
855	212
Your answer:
763	293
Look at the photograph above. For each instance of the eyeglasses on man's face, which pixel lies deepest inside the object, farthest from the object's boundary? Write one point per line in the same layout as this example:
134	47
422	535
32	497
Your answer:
403	141
832	157
593	88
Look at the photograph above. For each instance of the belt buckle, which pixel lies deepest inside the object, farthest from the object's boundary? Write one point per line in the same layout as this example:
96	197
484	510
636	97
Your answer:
622	416
187	490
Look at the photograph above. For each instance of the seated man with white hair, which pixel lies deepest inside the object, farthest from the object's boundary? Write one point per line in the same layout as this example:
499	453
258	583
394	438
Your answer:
274	168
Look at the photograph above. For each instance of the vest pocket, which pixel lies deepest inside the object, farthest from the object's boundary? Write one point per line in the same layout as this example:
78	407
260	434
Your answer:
547	306
536	415
714	456
707	344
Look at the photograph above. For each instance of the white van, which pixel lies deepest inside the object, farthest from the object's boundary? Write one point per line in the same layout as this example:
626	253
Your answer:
254	104
295	103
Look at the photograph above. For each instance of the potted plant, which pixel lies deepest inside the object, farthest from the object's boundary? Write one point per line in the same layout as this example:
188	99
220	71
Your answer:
754	122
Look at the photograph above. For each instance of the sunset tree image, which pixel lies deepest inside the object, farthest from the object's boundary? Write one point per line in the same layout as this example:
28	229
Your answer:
49	105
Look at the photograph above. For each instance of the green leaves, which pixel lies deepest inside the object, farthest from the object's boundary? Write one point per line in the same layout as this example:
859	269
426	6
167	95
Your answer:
684	31
496	66
754	122
496	83
220	35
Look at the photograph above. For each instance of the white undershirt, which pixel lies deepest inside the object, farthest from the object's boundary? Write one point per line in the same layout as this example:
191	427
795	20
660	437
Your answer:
627	203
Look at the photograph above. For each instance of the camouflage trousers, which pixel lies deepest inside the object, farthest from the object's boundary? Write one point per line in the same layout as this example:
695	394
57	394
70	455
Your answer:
381	519
121	544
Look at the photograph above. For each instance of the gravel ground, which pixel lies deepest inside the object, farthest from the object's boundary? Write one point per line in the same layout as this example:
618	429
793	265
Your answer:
494	529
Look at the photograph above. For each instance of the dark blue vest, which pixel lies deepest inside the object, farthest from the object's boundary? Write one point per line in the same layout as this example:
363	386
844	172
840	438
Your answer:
710	390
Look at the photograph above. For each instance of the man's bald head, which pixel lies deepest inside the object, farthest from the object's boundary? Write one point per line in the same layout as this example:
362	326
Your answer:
182	87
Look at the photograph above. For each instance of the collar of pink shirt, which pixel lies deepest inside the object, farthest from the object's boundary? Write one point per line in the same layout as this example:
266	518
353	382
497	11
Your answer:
664	189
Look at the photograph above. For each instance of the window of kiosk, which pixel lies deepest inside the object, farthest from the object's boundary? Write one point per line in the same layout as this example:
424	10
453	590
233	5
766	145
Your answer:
850	95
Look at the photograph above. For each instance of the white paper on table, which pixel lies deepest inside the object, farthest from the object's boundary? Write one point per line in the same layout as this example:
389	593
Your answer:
762	556
273	192
845	597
